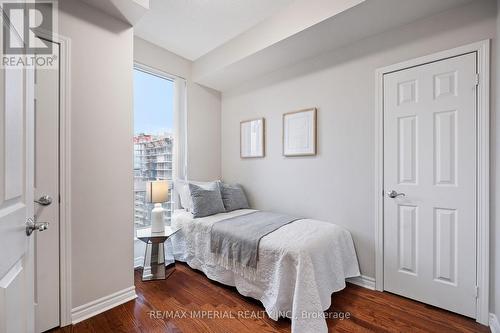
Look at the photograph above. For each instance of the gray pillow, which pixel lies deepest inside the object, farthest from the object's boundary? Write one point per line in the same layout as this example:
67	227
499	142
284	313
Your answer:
233	197
206	200
182	188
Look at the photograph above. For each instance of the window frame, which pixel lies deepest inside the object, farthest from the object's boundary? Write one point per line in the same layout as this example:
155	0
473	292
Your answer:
179	151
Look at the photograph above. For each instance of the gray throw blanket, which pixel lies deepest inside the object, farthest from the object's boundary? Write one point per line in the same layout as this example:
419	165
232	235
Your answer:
235	241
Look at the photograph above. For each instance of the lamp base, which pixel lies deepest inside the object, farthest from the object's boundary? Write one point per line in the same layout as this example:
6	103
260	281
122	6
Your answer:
157	221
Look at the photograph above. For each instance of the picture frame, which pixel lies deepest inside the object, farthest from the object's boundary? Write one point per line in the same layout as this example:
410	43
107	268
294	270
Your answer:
300	133
252	138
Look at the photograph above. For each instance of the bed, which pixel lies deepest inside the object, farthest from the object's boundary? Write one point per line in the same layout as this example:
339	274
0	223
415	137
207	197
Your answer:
300	265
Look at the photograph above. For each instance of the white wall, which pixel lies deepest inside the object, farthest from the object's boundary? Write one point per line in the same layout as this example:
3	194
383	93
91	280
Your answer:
495	181
101	151
203	108
337	184
161	59
204	133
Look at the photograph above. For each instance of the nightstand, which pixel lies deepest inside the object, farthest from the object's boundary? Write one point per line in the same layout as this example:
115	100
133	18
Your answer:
156	255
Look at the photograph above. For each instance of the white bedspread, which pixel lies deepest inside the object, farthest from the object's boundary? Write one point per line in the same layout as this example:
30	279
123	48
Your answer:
300	266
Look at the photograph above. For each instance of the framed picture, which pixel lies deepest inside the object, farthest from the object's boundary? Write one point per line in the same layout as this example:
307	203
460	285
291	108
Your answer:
252	138
299	133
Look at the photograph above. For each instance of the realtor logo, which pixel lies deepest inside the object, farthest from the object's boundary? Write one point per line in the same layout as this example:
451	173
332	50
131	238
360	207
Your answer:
28	30
21	21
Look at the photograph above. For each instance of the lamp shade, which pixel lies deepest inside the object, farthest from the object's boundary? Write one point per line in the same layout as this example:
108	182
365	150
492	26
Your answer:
157	191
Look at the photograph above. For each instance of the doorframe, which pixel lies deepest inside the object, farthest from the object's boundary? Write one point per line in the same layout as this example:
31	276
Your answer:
65	282
482	49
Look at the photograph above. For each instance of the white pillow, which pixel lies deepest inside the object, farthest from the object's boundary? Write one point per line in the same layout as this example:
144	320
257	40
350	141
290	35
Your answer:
182	188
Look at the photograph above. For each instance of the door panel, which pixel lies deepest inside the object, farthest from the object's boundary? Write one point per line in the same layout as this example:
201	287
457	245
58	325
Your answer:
445	260
13	297
14	134
445	157
16	200
12	202
407	152
47	307
430	156
407	225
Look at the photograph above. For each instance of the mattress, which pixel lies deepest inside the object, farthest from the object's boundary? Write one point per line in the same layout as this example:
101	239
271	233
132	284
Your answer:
300	265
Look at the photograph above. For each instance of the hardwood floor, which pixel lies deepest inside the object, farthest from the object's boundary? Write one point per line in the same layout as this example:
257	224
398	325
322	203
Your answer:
188	290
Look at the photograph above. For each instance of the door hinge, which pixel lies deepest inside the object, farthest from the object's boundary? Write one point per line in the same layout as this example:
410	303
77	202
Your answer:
476	291
477	79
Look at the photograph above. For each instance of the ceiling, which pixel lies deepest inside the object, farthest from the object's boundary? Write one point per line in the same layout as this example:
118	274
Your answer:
224	69
235	41
192	28
129	11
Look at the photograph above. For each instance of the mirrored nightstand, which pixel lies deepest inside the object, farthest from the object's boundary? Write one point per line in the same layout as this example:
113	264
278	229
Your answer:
155	254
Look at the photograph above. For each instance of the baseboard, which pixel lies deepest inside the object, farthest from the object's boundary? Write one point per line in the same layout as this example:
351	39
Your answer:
138	262
494	323
102	304
363	281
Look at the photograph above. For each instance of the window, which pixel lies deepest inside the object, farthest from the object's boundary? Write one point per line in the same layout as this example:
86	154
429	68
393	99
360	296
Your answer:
153	140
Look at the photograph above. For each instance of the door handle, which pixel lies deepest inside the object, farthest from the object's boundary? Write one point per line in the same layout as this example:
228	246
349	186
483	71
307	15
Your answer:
44	200
393	194
32	225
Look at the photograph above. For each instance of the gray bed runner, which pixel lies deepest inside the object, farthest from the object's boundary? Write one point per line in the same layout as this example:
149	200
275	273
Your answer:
235	241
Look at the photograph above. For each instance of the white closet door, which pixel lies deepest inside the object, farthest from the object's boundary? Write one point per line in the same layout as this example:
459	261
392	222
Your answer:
16	201
430	156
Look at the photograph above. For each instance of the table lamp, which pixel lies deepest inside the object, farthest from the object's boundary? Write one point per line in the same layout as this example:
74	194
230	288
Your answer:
157	193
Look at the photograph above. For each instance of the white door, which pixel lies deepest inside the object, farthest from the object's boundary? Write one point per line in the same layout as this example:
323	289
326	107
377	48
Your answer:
430	156
16	201
47	309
